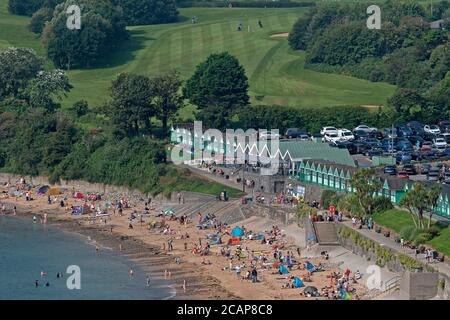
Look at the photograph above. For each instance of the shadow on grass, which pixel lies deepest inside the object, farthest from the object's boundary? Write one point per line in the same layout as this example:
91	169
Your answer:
124	53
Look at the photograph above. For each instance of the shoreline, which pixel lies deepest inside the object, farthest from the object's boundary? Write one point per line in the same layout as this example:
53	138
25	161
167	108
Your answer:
148	257
207	277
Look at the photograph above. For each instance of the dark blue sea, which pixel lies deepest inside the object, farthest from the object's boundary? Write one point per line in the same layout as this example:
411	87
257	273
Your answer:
26	249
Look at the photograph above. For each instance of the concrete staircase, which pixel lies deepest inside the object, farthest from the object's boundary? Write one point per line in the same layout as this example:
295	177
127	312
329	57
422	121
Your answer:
326	233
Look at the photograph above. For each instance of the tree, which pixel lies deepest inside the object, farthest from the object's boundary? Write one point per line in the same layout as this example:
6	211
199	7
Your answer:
17	67
433	196
102	29
39	18
141	12
132	103
46	86
298	36
79	108
418	200
218	86
25	7
366	185
408	103
166	97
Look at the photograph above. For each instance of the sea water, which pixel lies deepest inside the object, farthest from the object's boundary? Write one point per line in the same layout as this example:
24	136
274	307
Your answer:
27	248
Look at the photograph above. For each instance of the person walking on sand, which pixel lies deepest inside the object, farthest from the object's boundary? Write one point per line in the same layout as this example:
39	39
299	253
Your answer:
184	285
148	281
131	273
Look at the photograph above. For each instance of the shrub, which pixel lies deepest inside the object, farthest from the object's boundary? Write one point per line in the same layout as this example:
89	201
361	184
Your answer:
410	233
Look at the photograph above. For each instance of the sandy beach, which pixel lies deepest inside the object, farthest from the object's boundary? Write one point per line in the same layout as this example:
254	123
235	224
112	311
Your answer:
205	276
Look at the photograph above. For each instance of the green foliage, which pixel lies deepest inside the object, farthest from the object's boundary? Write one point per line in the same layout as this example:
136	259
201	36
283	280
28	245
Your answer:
25	7
17	67
103	28
140	12
330	197
218	86
79	108
39	18
366	184
47	85
131	107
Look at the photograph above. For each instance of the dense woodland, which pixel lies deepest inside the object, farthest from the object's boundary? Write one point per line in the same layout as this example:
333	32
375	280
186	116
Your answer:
405	52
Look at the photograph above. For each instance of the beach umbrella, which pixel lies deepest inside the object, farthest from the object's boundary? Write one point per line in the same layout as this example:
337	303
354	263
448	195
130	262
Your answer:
311	290
168	212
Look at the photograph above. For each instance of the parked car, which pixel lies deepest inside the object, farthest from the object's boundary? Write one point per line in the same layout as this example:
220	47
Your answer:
268	135
432	128
360	147
392	170
404	145
377	134
388	145
346	134
328	130
361	135
373	143
416	141
373	151
410	169
350	146
365	128
403	157
424	168
403	175
331	137
446	136
416	127
440	143
433	176
404	131
292	133
444	125
304	137
390	133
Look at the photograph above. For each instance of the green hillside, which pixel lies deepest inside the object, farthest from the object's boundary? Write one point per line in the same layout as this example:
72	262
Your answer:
276	73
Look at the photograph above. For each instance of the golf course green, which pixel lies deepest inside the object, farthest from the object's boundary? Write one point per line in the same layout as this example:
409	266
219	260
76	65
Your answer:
276	73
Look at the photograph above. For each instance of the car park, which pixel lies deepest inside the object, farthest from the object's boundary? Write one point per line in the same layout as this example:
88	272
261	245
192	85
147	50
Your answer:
365	128
346	134
446	136
416	141
391	170
328	130
404	145
304	137
432	128
388	145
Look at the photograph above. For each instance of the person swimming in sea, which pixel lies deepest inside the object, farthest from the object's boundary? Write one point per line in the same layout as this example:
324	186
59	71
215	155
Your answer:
148	281
36	283
47	284
34	219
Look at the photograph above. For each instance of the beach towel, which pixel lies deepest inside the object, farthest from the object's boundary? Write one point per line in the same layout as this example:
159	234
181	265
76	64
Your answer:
298	283
282	269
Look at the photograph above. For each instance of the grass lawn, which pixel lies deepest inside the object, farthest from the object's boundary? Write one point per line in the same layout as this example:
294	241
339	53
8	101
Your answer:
442	242
393	219
276	72
397	219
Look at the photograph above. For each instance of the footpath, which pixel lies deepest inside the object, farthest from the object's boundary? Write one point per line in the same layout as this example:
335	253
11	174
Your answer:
442	267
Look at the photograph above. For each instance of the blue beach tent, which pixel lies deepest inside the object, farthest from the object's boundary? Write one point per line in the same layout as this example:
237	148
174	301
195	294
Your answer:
237	232
309	265
298	283
282	269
